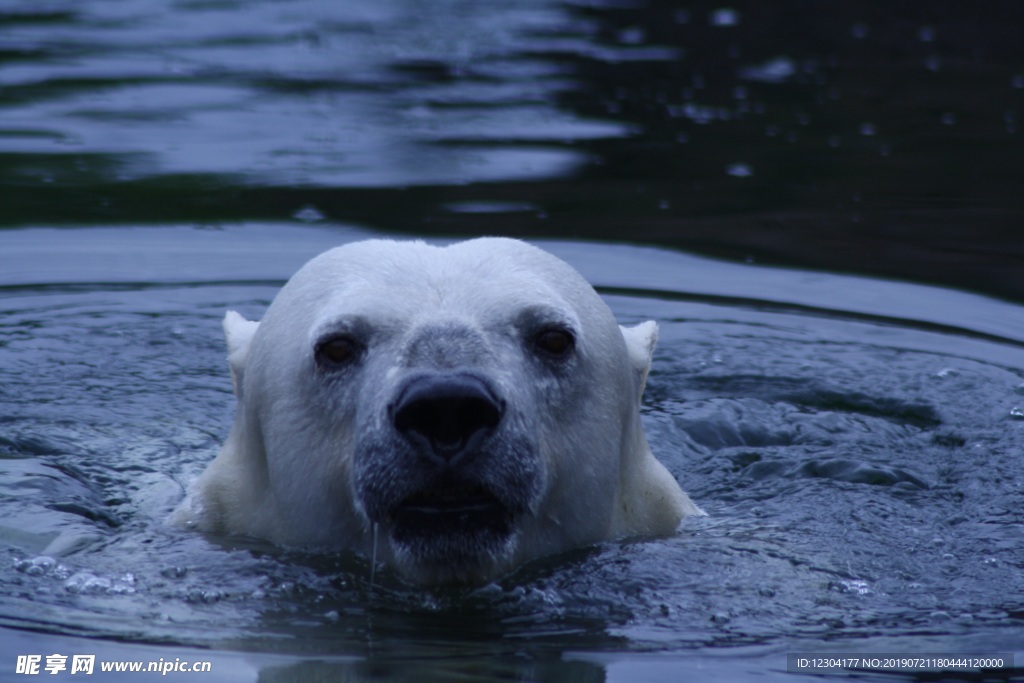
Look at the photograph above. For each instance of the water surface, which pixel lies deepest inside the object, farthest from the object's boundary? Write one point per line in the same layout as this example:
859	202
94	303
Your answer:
847	136
855	442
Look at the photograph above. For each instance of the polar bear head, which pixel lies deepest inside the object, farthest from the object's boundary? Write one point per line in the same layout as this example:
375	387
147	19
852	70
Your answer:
466	407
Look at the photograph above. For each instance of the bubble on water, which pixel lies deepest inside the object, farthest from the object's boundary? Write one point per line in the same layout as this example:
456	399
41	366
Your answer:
37	566
945	373
87	583
124	585
633	35
1017	413
203	595
740	170
775	70
853	586
696	113
724	16
308	214
174	572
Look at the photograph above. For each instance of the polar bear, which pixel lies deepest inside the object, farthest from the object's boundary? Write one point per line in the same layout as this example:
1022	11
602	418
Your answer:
465	408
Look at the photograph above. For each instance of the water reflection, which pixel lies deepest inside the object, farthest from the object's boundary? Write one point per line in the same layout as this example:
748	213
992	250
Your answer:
876	140
301	93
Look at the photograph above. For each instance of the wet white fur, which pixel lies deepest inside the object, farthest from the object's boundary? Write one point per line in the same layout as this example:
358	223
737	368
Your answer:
285	471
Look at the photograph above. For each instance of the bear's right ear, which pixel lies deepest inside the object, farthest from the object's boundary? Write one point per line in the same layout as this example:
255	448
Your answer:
238	331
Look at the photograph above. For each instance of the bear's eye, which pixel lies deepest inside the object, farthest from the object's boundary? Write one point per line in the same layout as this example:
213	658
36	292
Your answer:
555	342
335	352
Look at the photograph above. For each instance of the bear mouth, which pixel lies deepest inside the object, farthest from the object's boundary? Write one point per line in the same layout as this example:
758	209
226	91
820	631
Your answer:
451	509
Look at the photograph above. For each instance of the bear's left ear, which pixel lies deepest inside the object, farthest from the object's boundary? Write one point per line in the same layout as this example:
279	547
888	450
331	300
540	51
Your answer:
238	332
640	341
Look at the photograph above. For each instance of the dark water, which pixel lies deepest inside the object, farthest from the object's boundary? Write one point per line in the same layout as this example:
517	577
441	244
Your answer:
856	136
856	442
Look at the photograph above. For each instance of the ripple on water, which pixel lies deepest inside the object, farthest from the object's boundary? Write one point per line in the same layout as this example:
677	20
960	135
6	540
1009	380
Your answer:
861	481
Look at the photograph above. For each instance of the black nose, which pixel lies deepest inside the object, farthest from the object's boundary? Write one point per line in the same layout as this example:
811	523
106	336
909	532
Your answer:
446	415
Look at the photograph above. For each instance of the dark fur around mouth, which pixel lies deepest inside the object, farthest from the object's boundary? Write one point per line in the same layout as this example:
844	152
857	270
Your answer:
450	509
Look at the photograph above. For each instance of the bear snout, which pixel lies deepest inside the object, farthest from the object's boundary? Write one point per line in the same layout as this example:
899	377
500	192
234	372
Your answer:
446	416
